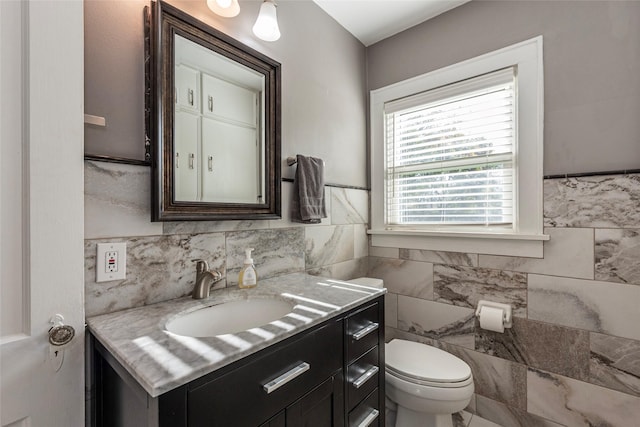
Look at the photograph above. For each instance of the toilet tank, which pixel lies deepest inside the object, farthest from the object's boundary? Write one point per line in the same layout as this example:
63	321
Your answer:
368	281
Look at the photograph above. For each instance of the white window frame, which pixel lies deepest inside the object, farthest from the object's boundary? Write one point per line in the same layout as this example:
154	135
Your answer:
526	238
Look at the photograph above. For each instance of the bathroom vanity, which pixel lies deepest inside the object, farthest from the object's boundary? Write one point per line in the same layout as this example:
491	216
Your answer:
320	365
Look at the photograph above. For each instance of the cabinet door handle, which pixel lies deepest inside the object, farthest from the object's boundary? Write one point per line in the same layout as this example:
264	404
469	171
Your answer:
365	377
364	331
190	96
210	161
191	160
177	160
278	382
373	415
211	103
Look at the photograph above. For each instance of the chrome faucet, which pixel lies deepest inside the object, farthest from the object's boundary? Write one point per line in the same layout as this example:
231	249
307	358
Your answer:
205	278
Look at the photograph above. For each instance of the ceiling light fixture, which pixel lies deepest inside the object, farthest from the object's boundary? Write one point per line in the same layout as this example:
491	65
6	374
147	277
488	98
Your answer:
225	8
266	26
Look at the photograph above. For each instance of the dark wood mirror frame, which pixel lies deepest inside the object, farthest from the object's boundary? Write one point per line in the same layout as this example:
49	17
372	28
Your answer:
165	21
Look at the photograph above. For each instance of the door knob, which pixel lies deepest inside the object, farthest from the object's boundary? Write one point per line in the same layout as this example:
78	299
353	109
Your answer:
60	334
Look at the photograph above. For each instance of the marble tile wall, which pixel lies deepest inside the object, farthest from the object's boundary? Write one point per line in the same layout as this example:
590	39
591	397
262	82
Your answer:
465	286
572	357
576	403
159	255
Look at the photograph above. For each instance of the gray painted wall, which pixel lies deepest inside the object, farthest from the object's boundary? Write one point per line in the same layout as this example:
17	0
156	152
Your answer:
591	64
114	77
323	81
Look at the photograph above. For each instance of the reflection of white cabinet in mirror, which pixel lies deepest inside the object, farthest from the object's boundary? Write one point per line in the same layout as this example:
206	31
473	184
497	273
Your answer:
187	87
219	122
231	173
224	100
187	125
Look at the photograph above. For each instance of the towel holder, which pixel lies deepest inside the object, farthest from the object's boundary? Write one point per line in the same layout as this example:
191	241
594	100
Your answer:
292	161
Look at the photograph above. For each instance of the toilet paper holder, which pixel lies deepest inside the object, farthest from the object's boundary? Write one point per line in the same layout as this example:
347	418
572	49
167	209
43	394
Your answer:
506	311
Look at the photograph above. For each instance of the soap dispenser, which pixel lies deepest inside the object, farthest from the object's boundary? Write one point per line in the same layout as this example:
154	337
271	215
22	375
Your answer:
248	277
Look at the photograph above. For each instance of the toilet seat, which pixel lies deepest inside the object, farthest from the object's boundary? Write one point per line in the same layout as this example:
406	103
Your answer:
435	384
425	365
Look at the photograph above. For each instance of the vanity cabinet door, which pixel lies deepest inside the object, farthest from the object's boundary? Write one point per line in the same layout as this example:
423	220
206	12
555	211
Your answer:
321	407
279	420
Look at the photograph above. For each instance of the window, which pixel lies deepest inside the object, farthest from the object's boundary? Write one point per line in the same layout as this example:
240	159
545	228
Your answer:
457	157
450	154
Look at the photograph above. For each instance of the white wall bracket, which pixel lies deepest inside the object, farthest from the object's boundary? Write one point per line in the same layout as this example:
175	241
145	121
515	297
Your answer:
95	120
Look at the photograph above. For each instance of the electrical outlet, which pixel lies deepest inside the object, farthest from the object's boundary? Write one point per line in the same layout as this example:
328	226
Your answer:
111	261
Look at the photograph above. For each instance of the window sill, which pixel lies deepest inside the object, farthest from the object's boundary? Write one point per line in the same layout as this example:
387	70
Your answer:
494	243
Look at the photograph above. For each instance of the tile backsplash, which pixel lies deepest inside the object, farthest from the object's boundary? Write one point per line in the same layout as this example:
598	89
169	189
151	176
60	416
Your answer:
159	255
572	357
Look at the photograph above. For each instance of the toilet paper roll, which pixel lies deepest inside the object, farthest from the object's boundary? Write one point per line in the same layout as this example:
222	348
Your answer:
491	319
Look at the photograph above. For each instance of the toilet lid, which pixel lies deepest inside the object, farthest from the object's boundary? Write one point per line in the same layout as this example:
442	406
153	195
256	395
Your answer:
424	362
368	281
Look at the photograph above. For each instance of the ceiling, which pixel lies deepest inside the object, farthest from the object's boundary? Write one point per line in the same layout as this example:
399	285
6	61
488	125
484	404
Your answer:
373	20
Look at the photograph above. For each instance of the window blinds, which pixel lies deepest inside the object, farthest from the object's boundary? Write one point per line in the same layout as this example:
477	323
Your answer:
450	154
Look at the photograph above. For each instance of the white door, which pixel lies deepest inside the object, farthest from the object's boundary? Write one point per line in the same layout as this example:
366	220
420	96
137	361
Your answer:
41	211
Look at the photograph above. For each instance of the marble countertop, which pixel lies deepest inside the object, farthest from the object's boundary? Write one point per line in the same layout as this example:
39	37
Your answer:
161	361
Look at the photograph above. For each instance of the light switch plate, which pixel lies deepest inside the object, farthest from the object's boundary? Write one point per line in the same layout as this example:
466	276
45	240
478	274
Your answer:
111	261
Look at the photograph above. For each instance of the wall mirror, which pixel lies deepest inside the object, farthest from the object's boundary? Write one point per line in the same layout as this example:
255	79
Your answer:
213	121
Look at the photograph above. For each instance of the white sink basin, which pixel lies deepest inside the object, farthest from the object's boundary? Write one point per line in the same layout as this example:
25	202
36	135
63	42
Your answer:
229	317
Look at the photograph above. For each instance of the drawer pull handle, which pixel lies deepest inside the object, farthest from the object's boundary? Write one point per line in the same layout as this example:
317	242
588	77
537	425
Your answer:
373	415
276	383
365	377
365	331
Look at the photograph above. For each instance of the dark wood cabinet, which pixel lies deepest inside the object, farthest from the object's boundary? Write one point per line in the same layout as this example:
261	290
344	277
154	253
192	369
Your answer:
331	375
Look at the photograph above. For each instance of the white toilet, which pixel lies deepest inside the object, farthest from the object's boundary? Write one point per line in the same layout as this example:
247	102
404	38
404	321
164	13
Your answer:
424	385
427	384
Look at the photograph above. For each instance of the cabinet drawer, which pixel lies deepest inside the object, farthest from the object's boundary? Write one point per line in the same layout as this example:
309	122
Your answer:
368	413
363	328
362	377
242	395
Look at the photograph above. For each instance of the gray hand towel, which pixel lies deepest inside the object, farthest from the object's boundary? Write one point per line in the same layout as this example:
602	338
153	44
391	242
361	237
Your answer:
307	205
